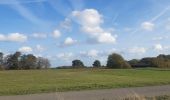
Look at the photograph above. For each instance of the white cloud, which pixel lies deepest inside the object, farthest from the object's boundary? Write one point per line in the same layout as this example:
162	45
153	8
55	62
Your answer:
148	26
56	34
25	49
17	37
39	35
158	47
92	31
106	38
2	37
69	41
88	17
90	21
137	50
13	37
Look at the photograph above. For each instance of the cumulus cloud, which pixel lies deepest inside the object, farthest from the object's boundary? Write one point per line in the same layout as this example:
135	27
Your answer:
158	47
39	35
56	34
88	17
90	21
137	50
13	37
25	49
68	42
148	26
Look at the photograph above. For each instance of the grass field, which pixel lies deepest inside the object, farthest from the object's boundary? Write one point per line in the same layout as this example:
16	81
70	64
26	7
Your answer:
40	81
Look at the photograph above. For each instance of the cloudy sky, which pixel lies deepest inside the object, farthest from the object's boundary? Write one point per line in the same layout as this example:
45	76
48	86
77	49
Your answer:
63	30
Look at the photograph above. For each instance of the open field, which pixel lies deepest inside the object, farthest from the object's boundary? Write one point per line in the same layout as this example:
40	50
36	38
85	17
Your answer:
40	81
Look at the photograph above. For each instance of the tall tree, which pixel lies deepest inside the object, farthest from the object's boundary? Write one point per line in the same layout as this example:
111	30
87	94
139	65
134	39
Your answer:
13	61
43	63
96	64
29	61
117	61
77	64
1	60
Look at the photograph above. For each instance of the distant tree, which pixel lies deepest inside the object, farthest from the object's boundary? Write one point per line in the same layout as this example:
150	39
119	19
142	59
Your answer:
18	61
117	61
77	64
43	63
146	62
96	64
134	62
29	62
1	60
13	61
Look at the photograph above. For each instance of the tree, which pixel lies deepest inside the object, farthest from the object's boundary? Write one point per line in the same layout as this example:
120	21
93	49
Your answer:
29	61
1	60
117	61
96	63
18	61
77	64
134	62
43	63
13	61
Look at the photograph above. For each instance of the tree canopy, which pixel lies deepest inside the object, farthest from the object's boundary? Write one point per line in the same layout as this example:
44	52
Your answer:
116	61
96	64
77	64
18	61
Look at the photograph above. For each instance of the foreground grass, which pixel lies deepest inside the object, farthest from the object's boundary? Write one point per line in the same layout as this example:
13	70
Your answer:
40	81
137	97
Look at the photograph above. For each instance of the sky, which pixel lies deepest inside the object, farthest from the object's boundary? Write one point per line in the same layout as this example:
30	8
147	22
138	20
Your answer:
64	30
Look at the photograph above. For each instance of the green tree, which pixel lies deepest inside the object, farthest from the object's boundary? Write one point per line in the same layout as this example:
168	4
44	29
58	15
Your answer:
29	61
1	60
117	61
96	64
77	64
43	63
13	61
134	62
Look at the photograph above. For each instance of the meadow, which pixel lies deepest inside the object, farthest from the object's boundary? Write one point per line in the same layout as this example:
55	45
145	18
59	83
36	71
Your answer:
17	82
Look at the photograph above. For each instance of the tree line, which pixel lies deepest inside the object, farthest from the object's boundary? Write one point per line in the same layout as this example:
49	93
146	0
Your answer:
19	61
116	61
161	61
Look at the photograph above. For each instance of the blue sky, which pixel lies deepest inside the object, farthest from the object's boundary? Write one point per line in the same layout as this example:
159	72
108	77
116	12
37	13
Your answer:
63	30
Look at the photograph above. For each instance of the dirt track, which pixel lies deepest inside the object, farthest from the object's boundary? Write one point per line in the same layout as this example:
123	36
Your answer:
106	94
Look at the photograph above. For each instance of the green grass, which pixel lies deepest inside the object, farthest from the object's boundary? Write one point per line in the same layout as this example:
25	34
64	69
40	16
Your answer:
40	81
137	97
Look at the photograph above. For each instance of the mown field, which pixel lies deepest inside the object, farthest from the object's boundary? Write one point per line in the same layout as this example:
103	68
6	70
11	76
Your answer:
40	81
